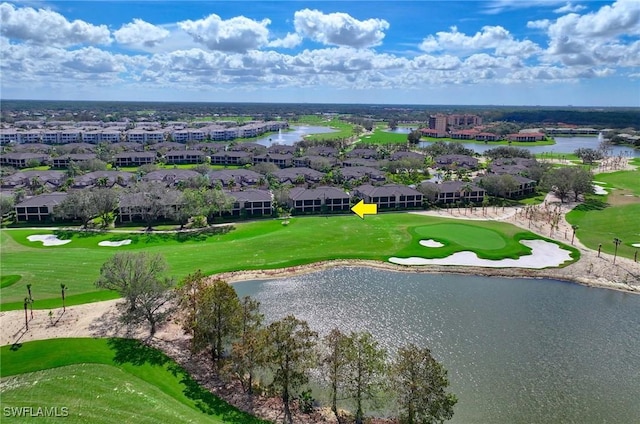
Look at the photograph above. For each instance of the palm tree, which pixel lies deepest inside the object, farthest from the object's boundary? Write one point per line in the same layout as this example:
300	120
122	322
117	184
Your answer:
574	228
63	289
617	242
30	299
26	317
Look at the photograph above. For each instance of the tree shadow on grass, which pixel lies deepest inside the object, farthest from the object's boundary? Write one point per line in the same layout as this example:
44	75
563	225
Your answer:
134	352
137	353
70	234
592	205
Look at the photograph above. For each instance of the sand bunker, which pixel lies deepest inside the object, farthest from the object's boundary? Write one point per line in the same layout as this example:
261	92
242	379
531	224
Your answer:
636	245
48	239
114	243
430	243
543	255
599	190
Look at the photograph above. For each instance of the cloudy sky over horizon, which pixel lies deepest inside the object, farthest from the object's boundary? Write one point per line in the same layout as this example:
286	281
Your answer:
499	52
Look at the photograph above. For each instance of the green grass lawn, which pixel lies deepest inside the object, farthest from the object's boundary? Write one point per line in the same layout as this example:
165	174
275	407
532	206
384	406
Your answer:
106	381
251	245
603	218
383	137
599	224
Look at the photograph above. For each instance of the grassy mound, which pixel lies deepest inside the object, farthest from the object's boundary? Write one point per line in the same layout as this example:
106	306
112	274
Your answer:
106	381
8	280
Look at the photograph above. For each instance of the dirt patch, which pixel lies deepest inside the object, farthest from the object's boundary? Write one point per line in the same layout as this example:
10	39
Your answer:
622	198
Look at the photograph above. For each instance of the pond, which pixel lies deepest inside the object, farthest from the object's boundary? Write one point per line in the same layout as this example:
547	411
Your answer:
517	350
289	138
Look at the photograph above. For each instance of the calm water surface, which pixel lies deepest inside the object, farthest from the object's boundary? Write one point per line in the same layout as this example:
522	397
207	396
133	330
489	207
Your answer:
288	138
563	145
517	350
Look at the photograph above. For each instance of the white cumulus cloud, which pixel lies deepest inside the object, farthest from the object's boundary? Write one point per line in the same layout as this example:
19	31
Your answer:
495	38
339	29
238	34
288	42
568	8
44	26
140	33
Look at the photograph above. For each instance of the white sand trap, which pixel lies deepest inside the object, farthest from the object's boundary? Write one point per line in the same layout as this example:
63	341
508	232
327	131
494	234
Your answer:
543	254
430	243
636	245
114	243
48	239
599	189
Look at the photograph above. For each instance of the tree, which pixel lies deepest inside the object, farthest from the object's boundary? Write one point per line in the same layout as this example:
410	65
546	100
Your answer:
334	361
30	299
137	277
216	201
105	202
364	370
420	384
63	291
77	204
588	155
581	182
617	242
152	201
289	353
27	301
6	205
414	137
558	180
246	353
573	235
216	320
187	295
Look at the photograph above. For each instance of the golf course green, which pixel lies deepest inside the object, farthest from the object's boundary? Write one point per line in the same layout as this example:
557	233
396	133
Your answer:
266	244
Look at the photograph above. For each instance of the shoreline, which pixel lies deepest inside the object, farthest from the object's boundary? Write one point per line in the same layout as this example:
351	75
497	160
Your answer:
566	274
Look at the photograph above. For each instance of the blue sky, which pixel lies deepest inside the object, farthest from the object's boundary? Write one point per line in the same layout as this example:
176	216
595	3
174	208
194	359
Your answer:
498	52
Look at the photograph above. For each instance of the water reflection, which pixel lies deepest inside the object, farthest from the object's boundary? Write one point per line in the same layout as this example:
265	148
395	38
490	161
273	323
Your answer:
518	351
563	145
289	138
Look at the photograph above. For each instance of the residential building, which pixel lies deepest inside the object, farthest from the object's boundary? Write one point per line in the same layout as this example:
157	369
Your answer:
63	161
390	196
134	158
282	161
184	156
38	208
526	136
23	160
321	199
456	191
461	161
252	203
439	124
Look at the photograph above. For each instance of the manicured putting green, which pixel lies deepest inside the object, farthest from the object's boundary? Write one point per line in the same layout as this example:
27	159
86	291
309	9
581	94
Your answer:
472	237
106	381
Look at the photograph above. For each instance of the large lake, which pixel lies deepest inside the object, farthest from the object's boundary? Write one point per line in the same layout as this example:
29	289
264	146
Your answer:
563	145
517	350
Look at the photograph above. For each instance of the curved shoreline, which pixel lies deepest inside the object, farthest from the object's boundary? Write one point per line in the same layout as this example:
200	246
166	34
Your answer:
566	274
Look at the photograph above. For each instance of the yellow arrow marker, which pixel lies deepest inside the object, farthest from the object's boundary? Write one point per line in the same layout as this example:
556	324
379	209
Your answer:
361	209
